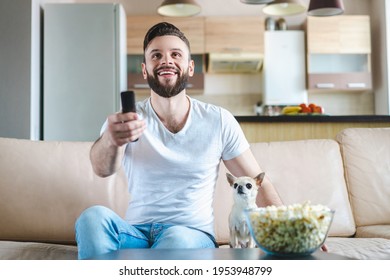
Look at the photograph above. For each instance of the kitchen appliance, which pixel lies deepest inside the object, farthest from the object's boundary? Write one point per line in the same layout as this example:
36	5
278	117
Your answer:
234	62
85	67
284	68
20	66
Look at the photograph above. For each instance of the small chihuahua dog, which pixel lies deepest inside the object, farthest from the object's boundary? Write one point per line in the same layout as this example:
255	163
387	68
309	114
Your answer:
245	192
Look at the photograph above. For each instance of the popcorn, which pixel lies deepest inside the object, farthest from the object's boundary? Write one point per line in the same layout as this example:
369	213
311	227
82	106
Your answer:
292	229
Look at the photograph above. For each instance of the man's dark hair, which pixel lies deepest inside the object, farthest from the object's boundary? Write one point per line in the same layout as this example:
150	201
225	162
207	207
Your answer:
164	29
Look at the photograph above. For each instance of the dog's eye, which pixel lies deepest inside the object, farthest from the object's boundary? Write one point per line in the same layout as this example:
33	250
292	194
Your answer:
248	186
235	185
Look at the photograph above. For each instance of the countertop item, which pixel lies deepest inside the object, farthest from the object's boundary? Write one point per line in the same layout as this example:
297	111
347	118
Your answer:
281	24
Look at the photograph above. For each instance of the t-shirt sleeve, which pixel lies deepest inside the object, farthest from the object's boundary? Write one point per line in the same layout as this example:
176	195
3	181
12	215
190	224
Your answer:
234	142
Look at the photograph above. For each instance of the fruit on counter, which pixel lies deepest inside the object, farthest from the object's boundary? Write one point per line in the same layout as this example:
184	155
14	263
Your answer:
303	108
291	110
311	108
319	110
316	109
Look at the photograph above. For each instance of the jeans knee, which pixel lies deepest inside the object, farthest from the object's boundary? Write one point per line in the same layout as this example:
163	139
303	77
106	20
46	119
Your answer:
184	238
92	216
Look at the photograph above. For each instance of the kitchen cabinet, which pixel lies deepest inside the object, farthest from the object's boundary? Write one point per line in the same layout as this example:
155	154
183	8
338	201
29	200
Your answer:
339	53
137	26
339	34
234	34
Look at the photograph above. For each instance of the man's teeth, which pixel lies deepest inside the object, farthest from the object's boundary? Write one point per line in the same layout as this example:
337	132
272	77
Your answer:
166	73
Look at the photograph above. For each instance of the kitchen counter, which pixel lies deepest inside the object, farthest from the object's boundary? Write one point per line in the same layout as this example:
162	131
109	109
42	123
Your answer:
315	118
301	127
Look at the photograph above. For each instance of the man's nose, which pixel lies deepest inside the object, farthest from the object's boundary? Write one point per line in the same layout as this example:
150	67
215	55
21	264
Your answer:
166	60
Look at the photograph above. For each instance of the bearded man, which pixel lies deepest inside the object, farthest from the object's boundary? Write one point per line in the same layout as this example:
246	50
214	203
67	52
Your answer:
170	149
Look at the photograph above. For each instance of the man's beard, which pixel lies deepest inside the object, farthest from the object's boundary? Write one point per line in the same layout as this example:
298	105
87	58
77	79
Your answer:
167	91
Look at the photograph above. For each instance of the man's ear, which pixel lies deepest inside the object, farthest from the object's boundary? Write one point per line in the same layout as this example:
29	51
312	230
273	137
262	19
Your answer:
144	74
191	68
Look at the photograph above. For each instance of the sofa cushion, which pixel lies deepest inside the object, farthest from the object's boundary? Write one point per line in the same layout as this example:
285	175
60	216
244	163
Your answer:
360	248
44	186
305	170
382	231
309	170
11	250
366	155
222	204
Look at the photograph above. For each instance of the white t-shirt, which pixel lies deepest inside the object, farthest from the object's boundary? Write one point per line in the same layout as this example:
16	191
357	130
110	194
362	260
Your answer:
172	177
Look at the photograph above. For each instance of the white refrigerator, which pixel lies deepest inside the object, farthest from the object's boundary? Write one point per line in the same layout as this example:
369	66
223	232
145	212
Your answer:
284	68
84	60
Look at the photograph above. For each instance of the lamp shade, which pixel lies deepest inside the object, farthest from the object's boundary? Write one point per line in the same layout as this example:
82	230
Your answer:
256	2
284	8
323	8
179	8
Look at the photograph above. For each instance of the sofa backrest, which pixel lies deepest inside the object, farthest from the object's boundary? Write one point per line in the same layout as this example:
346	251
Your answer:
41	194
51	192
305	170
366	155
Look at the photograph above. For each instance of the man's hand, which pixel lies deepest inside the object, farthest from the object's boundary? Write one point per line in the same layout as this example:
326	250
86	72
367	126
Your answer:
124	128
107	153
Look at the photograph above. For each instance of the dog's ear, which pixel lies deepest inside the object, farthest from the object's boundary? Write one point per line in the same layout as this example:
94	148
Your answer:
259	178
230	178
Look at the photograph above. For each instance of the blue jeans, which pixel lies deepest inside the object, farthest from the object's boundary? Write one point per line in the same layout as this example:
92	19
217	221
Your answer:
99	230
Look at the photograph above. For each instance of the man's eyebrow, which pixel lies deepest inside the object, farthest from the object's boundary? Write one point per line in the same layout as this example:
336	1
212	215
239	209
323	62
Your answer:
154	50
173	49
177	49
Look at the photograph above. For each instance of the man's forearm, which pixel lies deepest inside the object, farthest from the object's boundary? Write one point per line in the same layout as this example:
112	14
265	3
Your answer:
105	157
268	195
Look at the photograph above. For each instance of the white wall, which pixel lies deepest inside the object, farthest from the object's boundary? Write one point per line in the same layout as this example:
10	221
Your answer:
383	100
380	19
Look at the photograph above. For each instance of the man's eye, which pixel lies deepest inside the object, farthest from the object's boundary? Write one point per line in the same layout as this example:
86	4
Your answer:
235	185
248	186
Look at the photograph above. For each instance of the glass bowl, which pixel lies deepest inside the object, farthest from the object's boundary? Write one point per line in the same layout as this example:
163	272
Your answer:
293	230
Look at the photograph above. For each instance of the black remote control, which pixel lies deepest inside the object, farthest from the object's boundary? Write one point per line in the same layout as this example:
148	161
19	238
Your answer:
128	101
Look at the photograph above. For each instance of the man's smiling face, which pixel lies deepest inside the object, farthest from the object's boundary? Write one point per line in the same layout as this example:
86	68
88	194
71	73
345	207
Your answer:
167	65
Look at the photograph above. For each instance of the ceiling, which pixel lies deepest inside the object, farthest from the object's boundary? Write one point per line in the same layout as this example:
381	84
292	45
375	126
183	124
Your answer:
210	8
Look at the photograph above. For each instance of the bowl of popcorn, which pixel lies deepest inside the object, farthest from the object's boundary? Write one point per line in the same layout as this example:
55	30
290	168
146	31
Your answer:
291	230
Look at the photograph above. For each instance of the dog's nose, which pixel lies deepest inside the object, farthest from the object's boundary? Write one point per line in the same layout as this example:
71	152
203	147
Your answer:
240	189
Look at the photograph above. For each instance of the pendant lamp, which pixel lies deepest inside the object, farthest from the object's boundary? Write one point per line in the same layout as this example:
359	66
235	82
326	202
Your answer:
284	8
256	2
179	8
323	8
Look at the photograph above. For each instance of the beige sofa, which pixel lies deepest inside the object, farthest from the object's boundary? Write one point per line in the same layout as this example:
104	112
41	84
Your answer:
44	186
